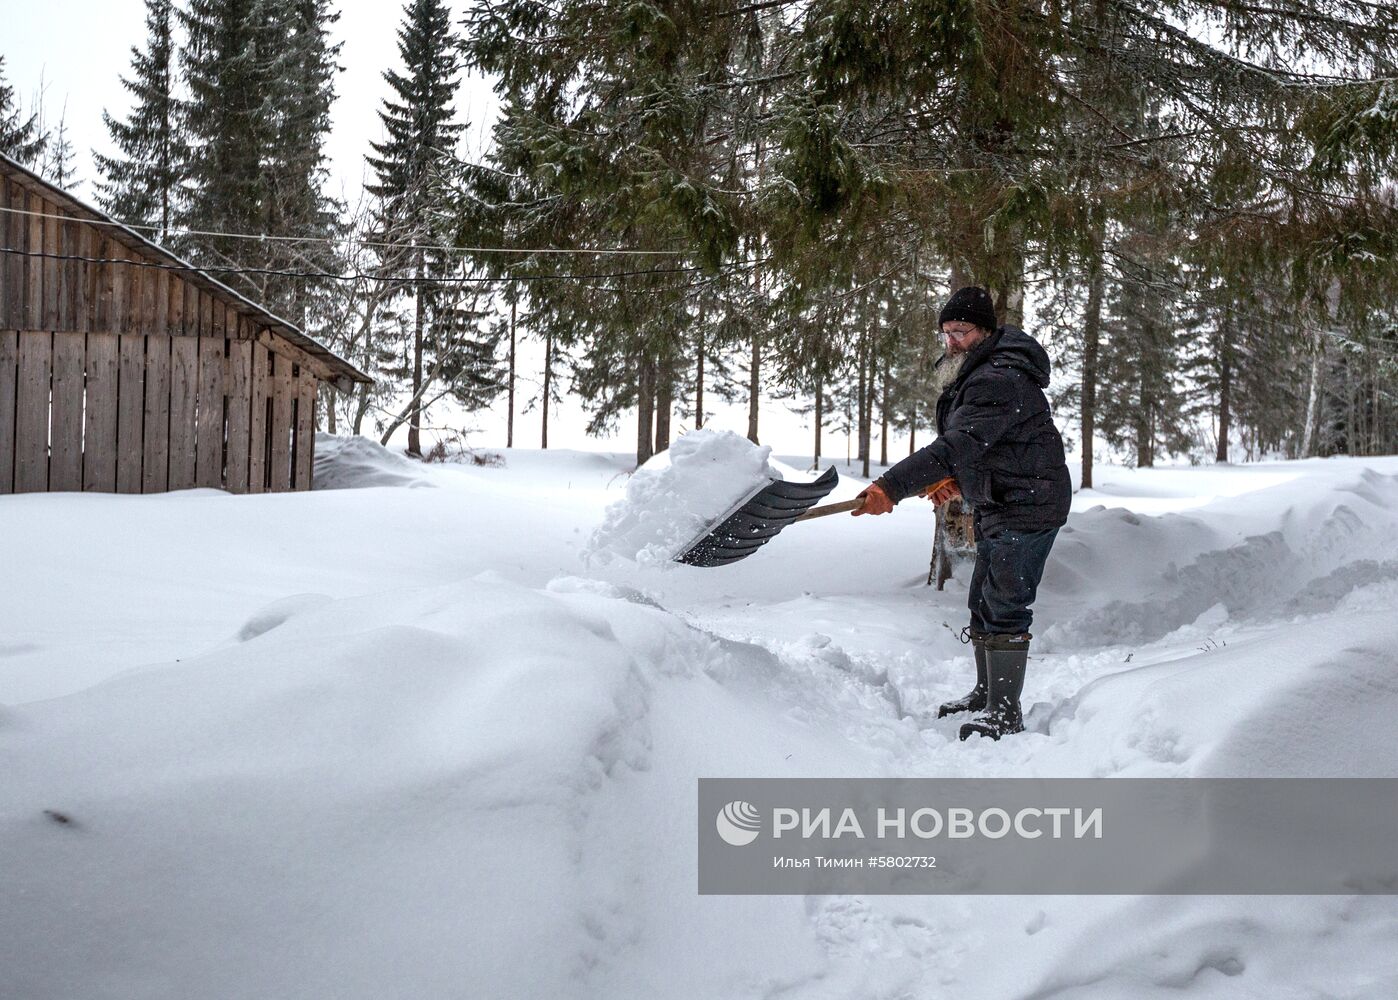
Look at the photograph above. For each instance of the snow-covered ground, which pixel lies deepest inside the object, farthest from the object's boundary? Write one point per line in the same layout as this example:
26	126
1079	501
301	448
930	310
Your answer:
386	742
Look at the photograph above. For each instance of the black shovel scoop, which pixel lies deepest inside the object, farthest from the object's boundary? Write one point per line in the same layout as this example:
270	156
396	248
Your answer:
755	519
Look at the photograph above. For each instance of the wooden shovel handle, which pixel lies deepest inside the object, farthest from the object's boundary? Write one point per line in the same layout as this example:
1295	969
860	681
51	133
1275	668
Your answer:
857	502
832	508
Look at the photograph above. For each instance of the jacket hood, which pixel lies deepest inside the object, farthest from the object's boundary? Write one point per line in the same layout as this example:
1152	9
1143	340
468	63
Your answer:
1016	349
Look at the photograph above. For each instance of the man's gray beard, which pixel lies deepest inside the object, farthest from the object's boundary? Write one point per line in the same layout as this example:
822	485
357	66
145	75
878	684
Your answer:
944	374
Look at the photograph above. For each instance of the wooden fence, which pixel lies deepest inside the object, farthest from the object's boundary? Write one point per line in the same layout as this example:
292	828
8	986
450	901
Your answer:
145	413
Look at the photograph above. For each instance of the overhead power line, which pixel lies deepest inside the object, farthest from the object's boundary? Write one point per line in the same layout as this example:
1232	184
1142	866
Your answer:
332	241
356	275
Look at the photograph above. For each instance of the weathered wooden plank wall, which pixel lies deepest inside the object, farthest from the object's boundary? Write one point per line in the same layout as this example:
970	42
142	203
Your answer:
51	282
11	236
100	415
119	375
49	262
130	411
238	378
144	413
258	435
304	445
213	406
9	373
184	389
34	284
66	418
155	439
283	392
32	412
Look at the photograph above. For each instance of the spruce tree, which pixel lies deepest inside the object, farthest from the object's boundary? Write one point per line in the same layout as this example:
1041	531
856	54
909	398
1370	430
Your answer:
260	81
301	77
141	184
56	164
228	118
1140	362
22	136
417	175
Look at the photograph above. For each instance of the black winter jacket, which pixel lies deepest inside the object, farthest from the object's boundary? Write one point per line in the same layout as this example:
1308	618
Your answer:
996	436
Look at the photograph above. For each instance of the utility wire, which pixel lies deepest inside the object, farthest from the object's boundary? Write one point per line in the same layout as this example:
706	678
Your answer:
331	241
353	276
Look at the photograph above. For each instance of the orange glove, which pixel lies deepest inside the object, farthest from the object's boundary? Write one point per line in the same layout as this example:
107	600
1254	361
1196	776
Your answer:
943	491
876	501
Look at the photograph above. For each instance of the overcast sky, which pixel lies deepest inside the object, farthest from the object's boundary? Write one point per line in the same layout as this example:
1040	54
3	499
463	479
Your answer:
80	49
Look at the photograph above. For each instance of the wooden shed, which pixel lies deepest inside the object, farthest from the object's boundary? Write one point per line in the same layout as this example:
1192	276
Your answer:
125	369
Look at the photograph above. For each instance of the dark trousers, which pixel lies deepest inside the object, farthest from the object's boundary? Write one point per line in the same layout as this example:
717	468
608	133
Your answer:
1009	566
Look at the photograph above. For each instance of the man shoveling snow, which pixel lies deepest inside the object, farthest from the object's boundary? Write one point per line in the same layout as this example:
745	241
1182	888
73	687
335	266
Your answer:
997	441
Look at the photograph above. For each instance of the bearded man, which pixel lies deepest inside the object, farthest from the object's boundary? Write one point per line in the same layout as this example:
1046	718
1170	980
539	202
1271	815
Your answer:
996	440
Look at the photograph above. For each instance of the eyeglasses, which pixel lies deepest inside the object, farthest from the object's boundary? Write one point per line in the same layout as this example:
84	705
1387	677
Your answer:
959	332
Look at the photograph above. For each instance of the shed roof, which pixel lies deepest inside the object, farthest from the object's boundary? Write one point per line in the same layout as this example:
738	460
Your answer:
340	370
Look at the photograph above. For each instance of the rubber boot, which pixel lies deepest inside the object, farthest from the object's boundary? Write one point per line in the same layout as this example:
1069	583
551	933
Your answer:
975	701
1007	657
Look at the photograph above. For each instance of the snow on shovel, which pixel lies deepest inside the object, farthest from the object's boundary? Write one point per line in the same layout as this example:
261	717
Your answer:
756	518
752	521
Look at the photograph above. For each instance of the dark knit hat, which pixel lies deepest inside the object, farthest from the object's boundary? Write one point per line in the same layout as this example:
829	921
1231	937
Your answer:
970	305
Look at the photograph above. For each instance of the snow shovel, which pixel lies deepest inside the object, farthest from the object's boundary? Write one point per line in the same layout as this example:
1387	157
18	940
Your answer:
754	520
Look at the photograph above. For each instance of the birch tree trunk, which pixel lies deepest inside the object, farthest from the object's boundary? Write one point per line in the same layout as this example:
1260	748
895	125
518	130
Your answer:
1308	433
1312	398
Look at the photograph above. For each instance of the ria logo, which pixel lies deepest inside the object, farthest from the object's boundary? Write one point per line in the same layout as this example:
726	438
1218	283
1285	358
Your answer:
739	823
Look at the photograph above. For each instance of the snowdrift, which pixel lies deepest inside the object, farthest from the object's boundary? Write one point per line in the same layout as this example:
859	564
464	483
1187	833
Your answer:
343	463
1280	551
384	742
